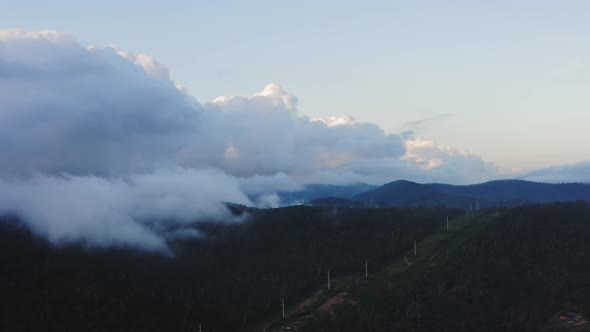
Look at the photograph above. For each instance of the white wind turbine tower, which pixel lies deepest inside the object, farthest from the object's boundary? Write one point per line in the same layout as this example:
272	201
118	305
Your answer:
283	306
328	279
447	223
366	268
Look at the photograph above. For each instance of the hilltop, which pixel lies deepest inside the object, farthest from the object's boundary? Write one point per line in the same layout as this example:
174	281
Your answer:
500	193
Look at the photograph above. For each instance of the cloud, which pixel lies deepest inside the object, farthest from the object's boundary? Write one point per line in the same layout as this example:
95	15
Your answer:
87	110
579	172
150	65
264	134
139	212
424	161
259	184
100	146
269	200
84	110
446	164
420	124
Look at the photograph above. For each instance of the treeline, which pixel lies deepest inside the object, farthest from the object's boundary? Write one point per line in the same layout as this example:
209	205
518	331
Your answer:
228	280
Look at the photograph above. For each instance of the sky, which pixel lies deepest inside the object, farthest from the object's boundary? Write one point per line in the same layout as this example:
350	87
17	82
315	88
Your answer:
506	80
123	123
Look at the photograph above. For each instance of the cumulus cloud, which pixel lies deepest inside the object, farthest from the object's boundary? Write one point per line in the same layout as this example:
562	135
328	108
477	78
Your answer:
70	108
264	134
446	164
150	65
98	145
84	110
424	161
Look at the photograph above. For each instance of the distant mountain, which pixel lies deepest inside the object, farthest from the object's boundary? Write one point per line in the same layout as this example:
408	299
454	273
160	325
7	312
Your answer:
493	193
335	202
316	191
504	190
397	193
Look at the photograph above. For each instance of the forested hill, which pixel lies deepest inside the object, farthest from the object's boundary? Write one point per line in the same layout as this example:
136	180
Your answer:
228	280
489	194
519	269
508	269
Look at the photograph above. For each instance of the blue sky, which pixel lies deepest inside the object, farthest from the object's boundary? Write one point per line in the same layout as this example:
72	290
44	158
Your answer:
507	80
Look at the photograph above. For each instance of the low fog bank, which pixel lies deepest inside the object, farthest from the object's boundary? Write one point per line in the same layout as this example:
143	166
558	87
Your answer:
142	211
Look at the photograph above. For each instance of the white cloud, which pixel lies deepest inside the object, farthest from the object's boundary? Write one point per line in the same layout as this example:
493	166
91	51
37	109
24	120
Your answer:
142	157
259	184
447	164
141	211
68	108
270	200
150	65
264	134
336	120
424	162
579	172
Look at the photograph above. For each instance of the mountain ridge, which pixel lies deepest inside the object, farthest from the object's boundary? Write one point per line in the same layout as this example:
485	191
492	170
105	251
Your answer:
509	192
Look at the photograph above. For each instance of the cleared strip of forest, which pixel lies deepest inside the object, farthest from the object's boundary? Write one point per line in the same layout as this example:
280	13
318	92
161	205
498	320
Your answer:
431	252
